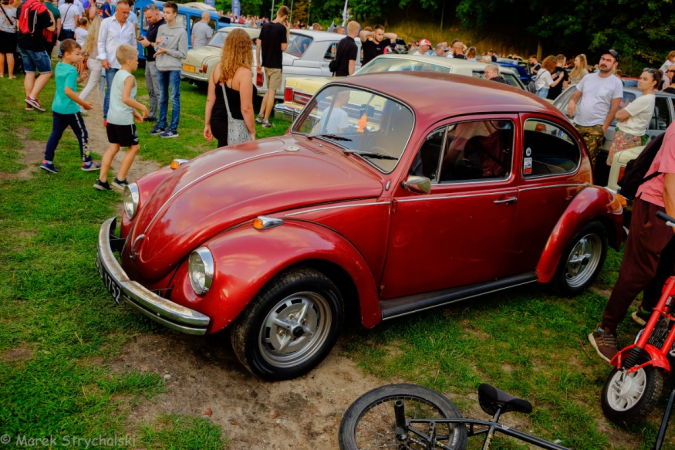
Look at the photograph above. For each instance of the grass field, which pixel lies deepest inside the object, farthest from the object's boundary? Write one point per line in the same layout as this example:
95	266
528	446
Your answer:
58	329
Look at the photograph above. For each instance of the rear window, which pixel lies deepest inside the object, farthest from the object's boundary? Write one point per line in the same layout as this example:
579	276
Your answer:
298	44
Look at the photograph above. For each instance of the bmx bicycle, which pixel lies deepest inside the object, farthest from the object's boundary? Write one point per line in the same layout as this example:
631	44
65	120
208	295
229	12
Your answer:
407	416
634	386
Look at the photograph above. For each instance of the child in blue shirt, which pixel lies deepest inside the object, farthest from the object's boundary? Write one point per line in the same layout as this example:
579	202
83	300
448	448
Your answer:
66	109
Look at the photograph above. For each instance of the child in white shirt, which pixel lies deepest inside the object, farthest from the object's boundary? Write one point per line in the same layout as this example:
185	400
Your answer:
81	31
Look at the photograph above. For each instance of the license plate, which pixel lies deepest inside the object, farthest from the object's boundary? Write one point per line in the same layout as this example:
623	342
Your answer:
113	288
188	68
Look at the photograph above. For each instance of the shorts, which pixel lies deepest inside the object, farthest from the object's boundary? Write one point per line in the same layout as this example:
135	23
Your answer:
122	135
273	79
35	60
8	42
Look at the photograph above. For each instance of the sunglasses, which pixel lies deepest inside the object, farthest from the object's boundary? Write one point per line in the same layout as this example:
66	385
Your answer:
647	69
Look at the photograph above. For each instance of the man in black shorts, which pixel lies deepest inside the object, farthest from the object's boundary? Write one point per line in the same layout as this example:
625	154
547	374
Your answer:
377	44
347	52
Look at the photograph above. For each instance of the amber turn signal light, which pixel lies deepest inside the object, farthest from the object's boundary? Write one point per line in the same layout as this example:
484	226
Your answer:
621	199
176	163
264	222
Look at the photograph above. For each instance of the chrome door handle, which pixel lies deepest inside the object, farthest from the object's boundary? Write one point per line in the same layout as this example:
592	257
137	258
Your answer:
507	200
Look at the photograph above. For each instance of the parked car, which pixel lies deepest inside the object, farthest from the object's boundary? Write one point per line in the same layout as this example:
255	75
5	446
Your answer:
664	113
299	91
381	200
200	62
522	67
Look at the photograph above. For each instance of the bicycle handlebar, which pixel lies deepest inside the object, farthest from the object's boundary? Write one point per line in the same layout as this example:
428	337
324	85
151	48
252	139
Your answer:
666	218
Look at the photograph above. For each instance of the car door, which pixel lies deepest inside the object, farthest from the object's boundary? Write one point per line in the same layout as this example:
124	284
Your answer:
548	169
457	234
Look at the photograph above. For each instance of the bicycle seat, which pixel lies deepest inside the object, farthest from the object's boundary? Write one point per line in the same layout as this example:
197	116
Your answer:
491	399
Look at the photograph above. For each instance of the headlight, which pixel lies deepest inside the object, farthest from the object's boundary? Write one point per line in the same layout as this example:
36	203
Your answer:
200	270
131	197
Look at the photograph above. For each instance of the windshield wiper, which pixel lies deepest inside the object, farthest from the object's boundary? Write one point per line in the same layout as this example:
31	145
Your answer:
333	137
371	155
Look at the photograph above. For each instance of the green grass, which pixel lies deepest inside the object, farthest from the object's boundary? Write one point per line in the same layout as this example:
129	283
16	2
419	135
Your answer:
182	433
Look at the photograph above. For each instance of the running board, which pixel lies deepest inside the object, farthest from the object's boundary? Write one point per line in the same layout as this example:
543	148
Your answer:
401	306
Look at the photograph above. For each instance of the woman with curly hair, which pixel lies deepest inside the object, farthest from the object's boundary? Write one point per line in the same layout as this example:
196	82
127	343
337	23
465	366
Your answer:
229	104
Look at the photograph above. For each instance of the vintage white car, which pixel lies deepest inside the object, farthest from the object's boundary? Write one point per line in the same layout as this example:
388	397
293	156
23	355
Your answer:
299	91
308	55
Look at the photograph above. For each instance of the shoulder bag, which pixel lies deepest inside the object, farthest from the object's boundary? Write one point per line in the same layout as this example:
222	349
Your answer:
237	132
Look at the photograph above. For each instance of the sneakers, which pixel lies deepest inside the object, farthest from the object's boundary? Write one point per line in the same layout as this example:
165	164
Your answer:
157	130
604	343
48	167
91	166
34	103
267	124
641	317
102	185
169	134
119	185
29	108
260	119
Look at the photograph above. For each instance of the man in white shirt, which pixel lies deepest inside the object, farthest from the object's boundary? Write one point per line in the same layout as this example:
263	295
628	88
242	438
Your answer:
202	31
598	96
115	31
424	49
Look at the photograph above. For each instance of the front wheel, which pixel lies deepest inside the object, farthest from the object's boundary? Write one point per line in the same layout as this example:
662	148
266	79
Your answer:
290	326
582	260
628	398
370	421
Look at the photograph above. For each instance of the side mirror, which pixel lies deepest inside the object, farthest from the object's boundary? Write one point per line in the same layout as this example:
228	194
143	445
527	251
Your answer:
420	185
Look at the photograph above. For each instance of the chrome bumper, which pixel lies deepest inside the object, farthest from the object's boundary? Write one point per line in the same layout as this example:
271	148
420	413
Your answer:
285	113
145	301
193	77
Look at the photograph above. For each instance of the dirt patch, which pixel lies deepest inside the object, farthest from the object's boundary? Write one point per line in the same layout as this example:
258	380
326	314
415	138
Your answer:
21	353
202	373
32	152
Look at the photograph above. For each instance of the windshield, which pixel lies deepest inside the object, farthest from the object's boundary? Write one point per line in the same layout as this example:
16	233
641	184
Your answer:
373	127
378	65
218	39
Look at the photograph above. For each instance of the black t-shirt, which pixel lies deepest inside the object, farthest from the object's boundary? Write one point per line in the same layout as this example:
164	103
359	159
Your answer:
152	37
346	51
555	91
459	57
34	41
371	49
272	35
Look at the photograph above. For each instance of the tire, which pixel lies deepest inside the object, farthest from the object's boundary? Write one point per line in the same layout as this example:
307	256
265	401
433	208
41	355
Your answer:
628	400
582	260
273	352
369	422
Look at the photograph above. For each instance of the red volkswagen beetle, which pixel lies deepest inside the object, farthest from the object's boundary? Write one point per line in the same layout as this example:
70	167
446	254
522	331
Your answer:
392	193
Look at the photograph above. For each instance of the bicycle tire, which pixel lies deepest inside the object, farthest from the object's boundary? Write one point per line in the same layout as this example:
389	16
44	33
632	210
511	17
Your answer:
358	427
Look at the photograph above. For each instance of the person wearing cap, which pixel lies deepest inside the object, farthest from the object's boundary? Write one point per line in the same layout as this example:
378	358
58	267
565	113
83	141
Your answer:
424	49
595	103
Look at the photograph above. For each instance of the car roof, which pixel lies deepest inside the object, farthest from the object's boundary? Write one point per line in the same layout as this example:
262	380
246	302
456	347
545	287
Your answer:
432	94
318	35
445	62
252	32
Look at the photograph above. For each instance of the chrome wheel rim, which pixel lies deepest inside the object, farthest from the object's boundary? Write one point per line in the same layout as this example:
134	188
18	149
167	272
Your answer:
626	389
295	329
583	260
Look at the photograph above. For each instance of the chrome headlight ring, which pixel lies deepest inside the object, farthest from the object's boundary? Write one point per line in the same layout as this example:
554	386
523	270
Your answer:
200	270
131	198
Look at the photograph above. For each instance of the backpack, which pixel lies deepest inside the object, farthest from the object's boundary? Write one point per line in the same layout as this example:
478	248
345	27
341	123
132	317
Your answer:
634	176
25	26
532	85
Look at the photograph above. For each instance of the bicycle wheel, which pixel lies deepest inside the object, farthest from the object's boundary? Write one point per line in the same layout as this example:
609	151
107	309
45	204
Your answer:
369	423
628	399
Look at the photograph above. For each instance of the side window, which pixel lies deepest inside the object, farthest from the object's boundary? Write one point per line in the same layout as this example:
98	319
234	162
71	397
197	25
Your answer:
661	117
330	53
426	162
511	80
548	150
477	150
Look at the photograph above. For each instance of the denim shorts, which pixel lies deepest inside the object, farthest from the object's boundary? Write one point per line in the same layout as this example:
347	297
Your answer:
35	60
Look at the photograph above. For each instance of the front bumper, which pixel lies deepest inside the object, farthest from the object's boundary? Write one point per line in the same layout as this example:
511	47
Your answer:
159	309
192	76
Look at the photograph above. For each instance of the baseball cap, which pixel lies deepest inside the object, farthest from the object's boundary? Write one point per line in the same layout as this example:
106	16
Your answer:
425	42
614	53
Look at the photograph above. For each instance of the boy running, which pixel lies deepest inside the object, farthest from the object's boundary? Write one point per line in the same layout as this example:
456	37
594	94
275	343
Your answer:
66	108
121	116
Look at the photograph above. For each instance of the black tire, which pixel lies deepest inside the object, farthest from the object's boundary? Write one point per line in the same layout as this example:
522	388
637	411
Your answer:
370	419
629	407
273	352
584	254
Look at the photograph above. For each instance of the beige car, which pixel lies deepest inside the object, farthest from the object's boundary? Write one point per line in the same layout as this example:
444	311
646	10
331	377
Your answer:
200	62
299	91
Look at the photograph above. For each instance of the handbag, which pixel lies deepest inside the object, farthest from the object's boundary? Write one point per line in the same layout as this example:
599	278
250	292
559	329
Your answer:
532	85
237	132
66	34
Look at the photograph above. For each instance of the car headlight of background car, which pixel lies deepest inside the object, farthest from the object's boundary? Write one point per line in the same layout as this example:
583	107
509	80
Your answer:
131	197
200	270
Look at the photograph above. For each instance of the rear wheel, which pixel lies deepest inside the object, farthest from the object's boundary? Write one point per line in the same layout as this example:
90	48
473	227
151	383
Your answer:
370	422
582	260
628	398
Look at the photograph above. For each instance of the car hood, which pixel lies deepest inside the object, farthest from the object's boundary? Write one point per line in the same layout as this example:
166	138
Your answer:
198	55
308	85
228	186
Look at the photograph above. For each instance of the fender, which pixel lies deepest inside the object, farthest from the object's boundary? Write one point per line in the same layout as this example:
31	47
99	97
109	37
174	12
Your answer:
658	359
246	259
146	186
592	203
